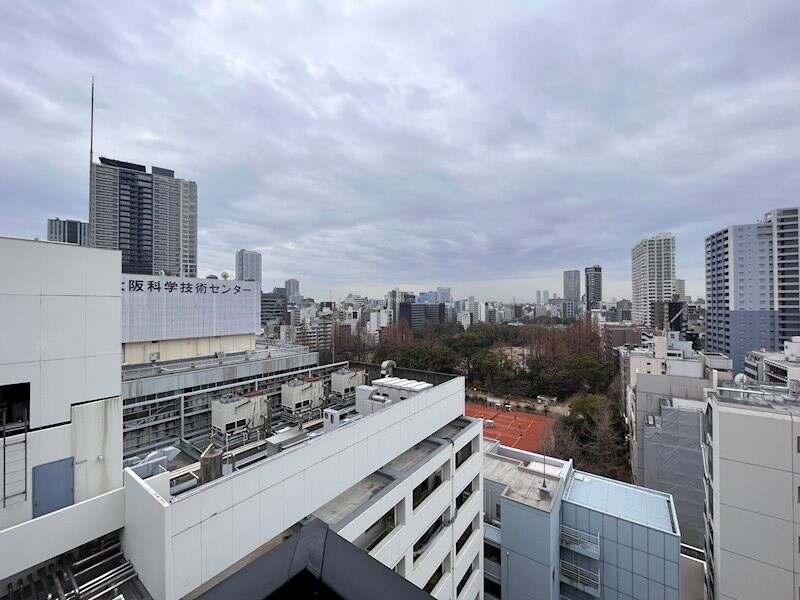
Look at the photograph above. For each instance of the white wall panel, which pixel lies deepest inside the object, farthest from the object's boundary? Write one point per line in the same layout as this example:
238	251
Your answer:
63	327
103	374
22	265
217	543
246	526
101	335
185	548
63	270
102	272
63	384
21	329
41	539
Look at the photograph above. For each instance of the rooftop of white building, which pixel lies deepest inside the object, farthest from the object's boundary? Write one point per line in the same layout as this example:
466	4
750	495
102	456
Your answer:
352	502
759	397
633	503
524	474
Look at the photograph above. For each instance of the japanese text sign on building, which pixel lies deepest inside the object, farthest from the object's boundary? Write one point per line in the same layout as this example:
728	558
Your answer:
180	287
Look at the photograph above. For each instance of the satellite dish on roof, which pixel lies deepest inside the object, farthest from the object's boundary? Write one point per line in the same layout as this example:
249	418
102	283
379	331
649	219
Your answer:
740	379
224	275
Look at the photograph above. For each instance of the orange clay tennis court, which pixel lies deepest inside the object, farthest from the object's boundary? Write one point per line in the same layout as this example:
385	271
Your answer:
515	429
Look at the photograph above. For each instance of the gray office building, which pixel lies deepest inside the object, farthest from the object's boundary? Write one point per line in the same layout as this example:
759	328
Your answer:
551	531
150	217
752	296
594	287
68	231
248	265
572	286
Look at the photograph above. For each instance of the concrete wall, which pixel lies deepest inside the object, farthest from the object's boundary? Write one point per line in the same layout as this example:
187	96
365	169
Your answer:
146	538
56	303
96	440
756	485
214	526
527	553
139	352
38	540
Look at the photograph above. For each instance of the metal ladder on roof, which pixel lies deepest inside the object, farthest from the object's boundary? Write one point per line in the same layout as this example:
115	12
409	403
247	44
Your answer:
15	461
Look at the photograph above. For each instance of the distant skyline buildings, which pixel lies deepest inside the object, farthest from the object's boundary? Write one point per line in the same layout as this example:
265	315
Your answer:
594	286
68	231
150	217
652	276
248	265
752	285
572	286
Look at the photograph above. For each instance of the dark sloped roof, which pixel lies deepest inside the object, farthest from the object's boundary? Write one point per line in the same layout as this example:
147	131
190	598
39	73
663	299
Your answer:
315	562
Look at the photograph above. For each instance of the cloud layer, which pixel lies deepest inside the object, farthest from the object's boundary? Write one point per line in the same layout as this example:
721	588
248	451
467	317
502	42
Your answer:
360	146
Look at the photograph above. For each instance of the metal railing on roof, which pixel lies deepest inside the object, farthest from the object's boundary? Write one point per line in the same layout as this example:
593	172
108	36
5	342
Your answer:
138	371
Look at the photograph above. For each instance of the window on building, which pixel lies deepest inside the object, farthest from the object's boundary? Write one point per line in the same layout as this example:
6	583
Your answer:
491	552
15	402
492	588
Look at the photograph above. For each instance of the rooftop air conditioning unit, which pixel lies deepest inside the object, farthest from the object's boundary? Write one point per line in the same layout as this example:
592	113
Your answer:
155	356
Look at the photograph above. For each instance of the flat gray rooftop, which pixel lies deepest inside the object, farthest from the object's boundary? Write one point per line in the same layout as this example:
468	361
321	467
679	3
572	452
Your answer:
451	430
351	499
413	456
636	504
522	482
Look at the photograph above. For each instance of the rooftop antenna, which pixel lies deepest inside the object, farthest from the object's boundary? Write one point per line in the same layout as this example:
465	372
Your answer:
91	130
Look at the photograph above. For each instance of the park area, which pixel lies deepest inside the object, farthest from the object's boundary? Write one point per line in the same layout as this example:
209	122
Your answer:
515	429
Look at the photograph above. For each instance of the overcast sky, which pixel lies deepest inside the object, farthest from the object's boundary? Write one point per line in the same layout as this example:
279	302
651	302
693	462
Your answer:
360	146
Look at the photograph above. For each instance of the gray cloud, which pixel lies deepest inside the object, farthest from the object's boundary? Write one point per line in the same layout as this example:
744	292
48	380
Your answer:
363	146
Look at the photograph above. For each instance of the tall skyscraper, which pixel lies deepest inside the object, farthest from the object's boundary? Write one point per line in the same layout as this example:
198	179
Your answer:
538	296
248	265
443	295
594	287
652	275
572	286
150	217
752	293
679	288
292	287
69	231
545	296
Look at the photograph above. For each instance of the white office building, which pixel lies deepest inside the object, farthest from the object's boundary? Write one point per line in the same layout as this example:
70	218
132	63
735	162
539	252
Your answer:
752	469
248	266
652	276
780	368
402	482
397	472
61	447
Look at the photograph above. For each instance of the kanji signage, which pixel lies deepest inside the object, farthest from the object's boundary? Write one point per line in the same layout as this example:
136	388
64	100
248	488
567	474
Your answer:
181	287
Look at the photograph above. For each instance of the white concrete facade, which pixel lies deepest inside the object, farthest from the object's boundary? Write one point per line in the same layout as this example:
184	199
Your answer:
59	314
752	471
198	534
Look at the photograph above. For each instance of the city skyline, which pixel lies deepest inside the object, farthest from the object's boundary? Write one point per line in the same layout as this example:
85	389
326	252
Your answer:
590	157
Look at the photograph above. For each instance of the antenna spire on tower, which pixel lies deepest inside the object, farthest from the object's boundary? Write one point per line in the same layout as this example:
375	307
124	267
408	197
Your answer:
91	129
